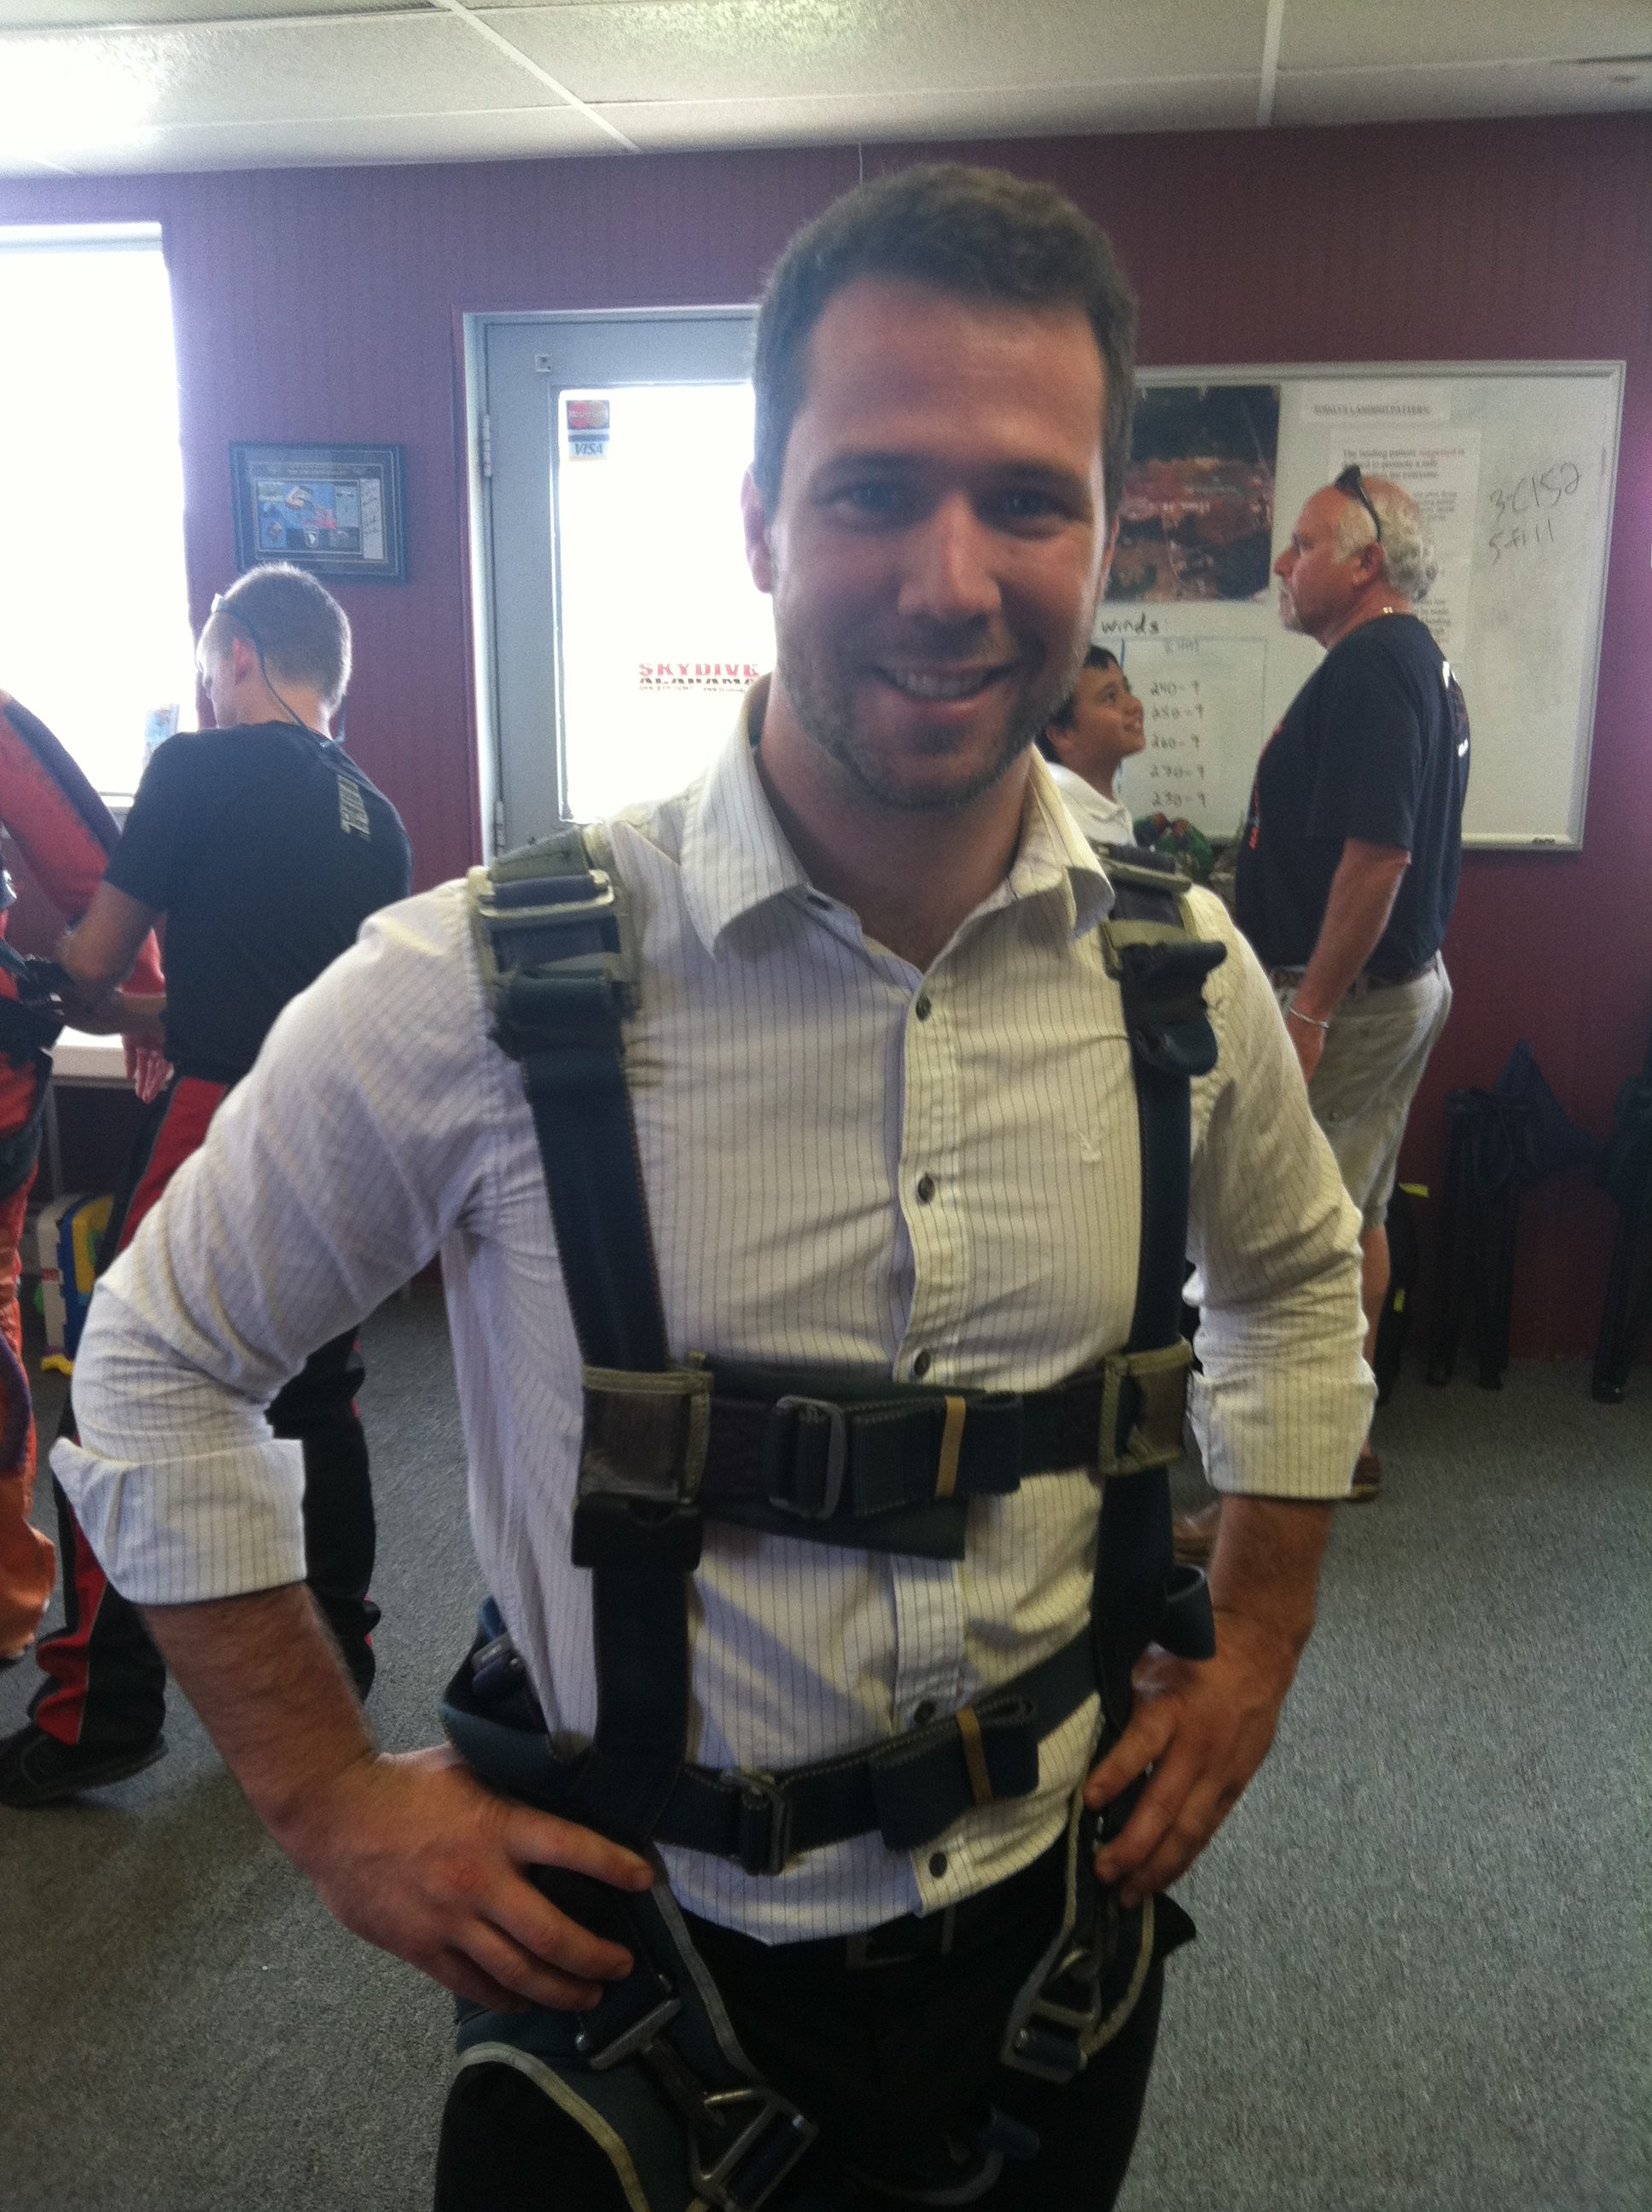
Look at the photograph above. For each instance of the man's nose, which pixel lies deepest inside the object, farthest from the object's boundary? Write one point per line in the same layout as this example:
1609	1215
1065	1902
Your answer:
949	573
1283	566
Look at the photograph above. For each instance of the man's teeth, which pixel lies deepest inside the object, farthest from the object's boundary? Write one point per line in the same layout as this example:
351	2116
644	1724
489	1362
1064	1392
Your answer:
931	683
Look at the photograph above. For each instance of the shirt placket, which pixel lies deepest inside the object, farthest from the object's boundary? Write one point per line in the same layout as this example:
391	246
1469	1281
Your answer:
929	1610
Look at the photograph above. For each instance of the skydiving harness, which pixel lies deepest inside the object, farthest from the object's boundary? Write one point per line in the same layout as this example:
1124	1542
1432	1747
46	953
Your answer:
831	1458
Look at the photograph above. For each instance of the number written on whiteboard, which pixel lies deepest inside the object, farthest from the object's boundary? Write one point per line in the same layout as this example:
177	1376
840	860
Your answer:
1523	512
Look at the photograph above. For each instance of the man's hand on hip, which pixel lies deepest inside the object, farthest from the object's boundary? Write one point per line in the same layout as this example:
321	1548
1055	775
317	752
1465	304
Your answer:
416	1855
1201	1729
412	1851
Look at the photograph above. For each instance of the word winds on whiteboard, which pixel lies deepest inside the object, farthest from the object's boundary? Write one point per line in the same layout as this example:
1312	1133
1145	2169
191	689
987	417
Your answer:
1523	512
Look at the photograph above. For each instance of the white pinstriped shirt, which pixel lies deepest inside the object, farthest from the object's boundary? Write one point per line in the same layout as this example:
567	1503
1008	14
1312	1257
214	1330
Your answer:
793	1083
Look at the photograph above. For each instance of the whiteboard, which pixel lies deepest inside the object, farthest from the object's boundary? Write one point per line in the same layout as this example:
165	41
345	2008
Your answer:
1515	465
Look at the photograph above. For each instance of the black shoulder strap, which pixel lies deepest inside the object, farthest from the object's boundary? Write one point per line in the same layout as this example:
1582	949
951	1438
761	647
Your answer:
1141	1595
559	974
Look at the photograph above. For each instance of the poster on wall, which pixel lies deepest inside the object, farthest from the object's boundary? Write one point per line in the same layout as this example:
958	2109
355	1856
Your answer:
1196	514
336	510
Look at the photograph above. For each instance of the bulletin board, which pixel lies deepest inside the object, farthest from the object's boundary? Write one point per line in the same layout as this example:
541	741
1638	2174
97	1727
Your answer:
1514	465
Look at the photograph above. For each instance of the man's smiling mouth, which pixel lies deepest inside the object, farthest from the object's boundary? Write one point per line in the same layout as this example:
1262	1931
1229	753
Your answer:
940	684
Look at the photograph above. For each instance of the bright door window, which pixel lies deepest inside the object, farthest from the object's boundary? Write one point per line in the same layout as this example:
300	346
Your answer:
661	628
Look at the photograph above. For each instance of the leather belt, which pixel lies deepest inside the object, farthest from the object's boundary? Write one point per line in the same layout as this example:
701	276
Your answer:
1364	983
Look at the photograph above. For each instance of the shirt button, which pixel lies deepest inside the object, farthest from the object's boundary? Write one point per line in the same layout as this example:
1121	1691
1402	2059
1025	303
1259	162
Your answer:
922	1006
923	1714
922	1364
937	1864
925	1187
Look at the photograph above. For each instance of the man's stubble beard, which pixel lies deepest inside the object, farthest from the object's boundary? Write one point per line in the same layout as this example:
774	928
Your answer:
826	715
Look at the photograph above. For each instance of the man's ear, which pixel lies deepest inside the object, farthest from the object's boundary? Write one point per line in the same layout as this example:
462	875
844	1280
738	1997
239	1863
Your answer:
243	657
759	553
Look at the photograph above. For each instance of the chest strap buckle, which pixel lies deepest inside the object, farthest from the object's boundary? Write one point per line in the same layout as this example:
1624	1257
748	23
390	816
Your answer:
805	1457
1144	1408
762	1841
641	1459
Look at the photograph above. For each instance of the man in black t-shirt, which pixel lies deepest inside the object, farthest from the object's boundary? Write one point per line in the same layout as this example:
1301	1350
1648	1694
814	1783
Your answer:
1353	842
266	848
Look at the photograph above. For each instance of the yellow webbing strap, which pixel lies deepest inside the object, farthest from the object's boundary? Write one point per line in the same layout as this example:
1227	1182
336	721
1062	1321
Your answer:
946	1468
975	1755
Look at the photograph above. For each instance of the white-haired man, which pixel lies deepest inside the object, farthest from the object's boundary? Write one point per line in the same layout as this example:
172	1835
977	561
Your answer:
1353	844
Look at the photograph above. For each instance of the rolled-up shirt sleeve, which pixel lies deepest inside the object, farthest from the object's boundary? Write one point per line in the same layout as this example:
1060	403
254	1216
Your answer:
1284	1399
328	1178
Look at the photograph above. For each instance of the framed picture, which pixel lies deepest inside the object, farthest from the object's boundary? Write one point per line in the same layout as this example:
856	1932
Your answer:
337	510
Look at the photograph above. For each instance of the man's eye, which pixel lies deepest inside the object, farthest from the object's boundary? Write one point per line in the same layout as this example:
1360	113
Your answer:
870	497
1026	506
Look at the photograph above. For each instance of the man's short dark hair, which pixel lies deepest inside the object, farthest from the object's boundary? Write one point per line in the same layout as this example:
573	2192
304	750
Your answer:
298	626
977	232
1097	657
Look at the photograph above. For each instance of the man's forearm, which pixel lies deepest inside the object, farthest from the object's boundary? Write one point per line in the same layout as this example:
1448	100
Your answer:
266	1679
1267	1564
99	952
1362	892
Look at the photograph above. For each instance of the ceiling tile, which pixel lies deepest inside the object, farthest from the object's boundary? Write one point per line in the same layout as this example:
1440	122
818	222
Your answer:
513	134
116	15
1359	33
661	125
699	50
1425	95
83	90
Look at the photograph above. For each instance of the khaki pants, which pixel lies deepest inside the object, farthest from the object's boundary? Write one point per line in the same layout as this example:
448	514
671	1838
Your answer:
1376	1050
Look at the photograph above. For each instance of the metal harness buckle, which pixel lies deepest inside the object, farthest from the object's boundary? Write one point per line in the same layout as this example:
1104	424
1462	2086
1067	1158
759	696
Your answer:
780	1451
746	2173
501	914
762	1822
1143	1394
628	2041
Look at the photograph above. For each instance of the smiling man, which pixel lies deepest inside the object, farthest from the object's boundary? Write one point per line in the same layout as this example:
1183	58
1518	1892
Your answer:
754	1406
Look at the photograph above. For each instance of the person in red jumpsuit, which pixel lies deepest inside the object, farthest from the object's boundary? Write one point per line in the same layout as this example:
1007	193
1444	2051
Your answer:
65	835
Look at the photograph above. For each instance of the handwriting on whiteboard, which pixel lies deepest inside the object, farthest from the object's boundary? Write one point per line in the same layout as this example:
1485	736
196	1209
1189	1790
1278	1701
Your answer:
1523	512
1201	699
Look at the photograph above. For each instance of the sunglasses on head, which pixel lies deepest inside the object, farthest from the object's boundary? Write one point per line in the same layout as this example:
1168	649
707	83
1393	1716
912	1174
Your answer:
1351	484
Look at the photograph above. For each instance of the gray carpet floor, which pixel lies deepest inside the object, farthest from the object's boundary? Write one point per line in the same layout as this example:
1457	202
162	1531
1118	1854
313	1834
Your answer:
1421	1984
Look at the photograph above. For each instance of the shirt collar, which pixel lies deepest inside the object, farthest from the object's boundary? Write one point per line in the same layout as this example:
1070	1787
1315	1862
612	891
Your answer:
1054	851
736	857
